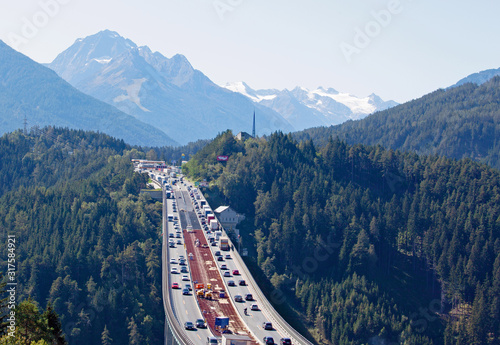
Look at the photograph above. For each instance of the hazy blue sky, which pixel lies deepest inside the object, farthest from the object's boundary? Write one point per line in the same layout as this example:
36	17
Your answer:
398	49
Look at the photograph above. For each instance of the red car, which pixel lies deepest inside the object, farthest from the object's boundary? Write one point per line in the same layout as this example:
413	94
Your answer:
236	273
175	286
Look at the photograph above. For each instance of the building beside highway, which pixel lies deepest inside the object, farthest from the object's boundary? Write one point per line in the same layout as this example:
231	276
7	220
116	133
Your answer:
228	217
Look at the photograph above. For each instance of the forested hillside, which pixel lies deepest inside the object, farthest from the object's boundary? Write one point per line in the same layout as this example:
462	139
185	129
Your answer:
87	242
368	244
457	123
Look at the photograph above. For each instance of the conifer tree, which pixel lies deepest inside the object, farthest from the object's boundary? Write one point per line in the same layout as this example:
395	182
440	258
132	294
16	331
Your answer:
105	336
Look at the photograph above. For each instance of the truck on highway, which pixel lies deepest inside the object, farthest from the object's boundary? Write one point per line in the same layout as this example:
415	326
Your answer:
214	224
224	243
210	217
234	339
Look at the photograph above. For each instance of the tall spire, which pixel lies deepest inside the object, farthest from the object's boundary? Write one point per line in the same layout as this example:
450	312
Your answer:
25	123
253	128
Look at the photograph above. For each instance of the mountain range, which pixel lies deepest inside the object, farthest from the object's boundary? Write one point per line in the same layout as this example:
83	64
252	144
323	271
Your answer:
305	108
163	101
33	92
165	92
459	122
479	77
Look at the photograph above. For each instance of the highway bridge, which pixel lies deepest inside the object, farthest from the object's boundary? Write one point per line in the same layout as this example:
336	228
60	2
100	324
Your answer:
188	257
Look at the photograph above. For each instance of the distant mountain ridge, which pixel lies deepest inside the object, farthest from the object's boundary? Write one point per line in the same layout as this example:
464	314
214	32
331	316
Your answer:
460	122
166	93
479	78
305	108
32	90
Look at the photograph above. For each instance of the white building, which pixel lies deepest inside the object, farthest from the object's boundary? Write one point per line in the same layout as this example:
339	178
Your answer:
228	217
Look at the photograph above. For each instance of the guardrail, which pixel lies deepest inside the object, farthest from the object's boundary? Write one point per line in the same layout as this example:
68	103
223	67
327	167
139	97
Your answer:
171	318
273	316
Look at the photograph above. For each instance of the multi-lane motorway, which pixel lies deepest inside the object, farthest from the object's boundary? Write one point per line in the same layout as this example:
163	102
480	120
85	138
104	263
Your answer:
185	307
205	264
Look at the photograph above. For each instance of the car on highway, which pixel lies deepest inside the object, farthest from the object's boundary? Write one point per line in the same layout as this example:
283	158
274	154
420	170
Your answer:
173	261
220	258
178	235
212	341
268	326
174	270
242	282
188	286
214	244
231	283
171	234
227	274
190	326
182	262
228	257
238	298
171	244
200	323
268	340
285	341
181	257
175	286
236	273
185	278
185	291
217	253
179	242
248	297
184	269
223	267
254	307
178	231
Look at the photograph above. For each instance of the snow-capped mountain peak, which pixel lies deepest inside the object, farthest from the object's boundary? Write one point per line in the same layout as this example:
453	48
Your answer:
256	96
165	92
305	108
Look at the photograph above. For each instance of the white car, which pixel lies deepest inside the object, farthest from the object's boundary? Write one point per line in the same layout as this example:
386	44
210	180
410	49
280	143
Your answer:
185	278
173	261
174	270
